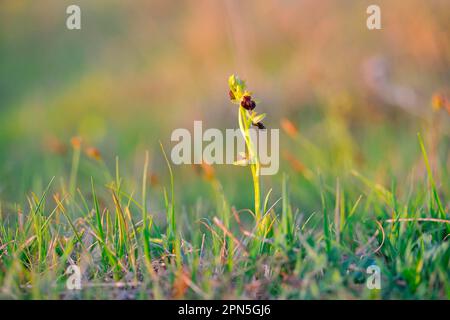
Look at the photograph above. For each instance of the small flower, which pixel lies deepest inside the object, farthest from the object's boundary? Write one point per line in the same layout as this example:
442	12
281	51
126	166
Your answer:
54	145
440	101
296	164
208	171
76	142
205	170
247	103
289	127
93	153
154	180
437	101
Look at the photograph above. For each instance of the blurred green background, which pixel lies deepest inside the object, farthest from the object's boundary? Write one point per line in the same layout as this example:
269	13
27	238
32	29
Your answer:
138	70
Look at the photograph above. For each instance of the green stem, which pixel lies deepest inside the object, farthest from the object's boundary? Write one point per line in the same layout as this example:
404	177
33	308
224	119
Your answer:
255	173
244	125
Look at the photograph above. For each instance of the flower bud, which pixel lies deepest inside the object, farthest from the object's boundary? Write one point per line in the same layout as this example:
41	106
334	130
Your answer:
260	125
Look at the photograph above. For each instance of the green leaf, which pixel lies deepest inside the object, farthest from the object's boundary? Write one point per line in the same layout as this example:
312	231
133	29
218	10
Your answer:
257	117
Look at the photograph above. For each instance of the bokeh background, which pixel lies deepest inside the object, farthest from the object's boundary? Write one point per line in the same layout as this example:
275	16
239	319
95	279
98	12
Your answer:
138	70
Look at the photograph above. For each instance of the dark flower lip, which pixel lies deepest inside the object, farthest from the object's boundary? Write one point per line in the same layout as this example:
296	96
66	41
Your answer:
247	103
260	125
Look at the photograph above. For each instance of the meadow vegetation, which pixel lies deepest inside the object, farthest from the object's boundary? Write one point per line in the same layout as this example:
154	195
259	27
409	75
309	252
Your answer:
86	177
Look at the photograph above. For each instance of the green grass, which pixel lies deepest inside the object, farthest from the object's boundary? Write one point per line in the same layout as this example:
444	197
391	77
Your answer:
357	185
133	239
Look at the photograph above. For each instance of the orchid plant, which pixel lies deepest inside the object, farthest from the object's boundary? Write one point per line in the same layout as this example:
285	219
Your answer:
248	117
